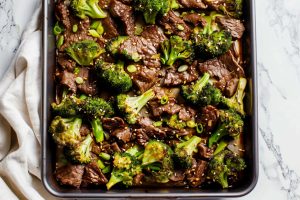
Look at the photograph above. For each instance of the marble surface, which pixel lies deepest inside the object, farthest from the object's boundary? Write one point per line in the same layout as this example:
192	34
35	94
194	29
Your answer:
278	50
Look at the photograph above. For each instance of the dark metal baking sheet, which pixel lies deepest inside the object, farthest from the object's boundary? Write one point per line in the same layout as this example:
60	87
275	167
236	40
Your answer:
250	135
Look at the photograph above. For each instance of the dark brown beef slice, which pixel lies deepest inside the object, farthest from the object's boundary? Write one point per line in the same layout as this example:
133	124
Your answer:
111	124
65	62
141	137
186	113
144	78
234	26
68	79
62	13
70	175
84	130
104	4
158	109
197	4
115	147
214	4
194	19
123	134
110	28
150	130
205	152
174	78
88	86
154	35
195	175
125	13
209	118
175	25
93	175
137	180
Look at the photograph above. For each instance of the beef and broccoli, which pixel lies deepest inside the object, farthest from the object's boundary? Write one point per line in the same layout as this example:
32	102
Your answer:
148	92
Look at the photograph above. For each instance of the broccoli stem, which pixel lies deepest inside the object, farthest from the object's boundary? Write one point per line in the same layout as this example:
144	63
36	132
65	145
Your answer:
140	101
221	146
113	181
201	83
97	129
223	180
217	135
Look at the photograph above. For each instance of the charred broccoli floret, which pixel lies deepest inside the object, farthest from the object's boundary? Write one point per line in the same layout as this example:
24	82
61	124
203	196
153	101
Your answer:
114	76
81	152
184	151
231	124
68	107
84	8
174	49
225	166
114	44
95	108
66	131
84	52
126	166
131	106
236	101
211	42
175	122
157	158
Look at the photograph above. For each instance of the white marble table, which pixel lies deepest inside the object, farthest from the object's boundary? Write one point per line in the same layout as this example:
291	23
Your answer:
278	50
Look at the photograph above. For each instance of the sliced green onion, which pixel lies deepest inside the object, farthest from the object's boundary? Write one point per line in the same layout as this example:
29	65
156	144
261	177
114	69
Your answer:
164	100
104	156
60	41
95	24
100	164
199	128
182	68
106	169
79	80
82	97
75	28
76	70
100	29
180	27
131	68
94	33
191	124
158	123
57	29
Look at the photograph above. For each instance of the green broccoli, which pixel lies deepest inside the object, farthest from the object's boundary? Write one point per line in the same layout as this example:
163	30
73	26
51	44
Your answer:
232	8
81	152
114	76
95	108
68	107
126	166
231	124
211	42
174	49
183	153
151	9
114	44
84	8
176	123
157	158
224	166
236	101
131	106
84	52
66	131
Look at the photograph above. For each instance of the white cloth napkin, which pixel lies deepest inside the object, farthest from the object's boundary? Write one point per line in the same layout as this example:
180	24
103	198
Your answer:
20	106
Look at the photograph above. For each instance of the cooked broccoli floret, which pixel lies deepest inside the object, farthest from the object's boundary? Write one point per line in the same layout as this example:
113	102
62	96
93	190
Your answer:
225	166
84	52
184	151
157	158
66	131
175	122
84	8
151	9
211	42
236	101
81	152
68	107
231	124
95	108
174	49
114	76
131	106
114	44
202	93
126	166
232	8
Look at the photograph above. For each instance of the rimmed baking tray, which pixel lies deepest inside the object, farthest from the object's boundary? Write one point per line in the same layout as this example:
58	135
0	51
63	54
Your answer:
250	134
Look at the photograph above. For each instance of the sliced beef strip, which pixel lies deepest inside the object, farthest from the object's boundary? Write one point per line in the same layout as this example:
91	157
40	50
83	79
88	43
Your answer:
141	137
171	132
65	62
122	134
194	19
144	77
111	124
68	79
177	176
175	25
232	63
186	113
143	48
137	180
70	175
96	149
158	109
175	78
234	26
151	131
209	118
89	85
125	13
110	28
205	152
128	2
195	175
84	130
62	13
115	147
214	4
154	35
104	4
93	175
196	4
